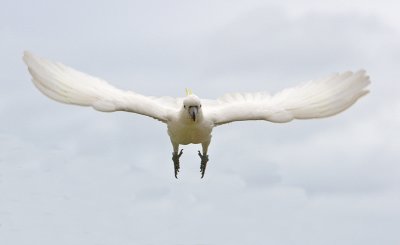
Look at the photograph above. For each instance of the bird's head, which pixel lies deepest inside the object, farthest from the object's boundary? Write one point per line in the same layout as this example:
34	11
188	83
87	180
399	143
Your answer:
192	106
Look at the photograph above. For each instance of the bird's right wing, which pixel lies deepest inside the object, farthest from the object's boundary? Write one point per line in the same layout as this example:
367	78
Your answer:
314	99
70	86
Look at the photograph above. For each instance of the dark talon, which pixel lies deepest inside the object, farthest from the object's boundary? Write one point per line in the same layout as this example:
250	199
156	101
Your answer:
203	164
175	159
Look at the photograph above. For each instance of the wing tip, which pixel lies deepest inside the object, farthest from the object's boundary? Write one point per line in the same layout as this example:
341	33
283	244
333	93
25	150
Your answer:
27	54
28	57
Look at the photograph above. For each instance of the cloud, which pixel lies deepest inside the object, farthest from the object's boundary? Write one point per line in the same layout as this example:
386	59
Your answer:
270	41
357	157
73	175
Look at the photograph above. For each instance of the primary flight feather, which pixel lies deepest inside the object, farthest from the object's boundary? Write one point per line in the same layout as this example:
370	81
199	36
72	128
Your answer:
191	120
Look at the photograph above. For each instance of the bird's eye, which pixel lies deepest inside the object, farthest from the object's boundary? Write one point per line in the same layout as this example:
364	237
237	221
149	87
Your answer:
184	106
200	106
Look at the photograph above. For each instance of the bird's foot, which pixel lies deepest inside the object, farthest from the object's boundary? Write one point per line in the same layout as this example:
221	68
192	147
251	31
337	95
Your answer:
175	158
203	164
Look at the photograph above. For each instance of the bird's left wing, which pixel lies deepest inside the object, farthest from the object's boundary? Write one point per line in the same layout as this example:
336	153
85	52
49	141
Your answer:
314	99
70	86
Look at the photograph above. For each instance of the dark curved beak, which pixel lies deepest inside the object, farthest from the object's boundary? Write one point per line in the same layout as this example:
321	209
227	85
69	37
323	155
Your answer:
193	110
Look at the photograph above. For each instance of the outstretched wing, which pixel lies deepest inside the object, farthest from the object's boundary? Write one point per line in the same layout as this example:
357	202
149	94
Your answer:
70	86
314	99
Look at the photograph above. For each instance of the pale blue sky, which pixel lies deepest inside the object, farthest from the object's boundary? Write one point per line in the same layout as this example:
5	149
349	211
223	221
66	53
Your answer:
72	175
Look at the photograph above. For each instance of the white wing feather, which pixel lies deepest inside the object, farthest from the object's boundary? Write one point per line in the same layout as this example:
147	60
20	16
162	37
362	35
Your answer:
70	86
314	99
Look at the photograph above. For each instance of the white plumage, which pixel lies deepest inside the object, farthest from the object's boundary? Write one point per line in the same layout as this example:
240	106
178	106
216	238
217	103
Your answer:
191	120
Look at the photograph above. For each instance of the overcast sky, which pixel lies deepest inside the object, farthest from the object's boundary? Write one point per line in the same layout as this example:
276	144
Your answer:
72	175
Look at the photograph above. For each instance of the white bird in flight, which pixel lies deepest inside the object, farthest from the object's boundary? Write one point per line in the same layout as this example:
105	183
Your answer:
190	120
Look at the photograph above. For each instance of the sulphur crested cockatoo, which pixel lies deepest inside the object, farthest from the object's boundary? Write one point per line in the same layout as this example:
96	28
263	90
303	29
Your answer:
190	120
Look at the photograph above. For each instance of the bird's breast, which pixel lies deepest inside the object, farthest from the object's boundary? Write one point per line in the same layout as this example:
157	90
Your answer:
184	134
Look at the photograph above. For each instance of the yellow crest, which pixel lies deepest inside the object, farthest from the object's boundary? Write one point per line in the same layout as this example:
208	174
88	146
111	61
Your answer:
188	91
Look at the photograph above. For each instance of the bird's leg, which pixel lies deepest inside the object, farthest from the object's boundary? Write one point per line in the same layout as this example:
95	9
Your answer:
175	158
204	158
203	164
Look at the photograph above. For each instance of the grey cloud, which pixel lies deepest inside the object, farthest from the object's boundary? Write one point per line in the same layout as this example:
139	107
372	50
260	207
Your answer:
270	41
71	175
357	157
